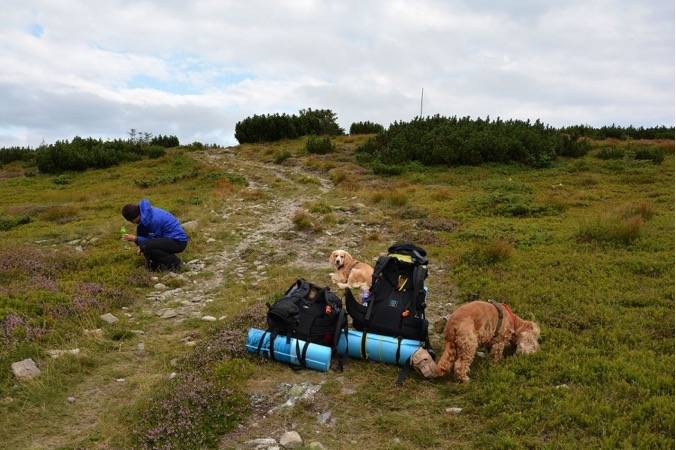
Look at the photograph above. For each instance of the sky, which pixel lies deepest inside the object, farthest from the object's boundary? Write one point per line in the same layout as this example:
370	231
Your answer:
193	69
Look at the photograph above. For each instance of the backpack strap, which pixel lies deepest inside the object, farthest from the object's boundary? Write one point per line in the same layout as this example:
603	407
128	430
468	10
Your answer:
260	342
341	325
364	355
403	372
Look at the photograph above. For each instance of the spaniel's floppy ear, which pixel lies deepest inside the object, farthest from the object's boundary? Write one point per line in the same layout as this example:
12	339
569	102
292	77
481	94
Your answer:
332	257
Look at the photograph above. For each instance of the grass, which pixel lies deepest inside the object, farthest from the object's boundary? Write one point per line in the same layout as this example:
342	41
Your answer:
585	248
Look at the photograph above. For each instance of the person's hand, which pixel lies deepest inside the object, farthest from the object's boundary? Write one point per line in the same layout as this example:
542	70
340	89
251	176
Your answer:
129	237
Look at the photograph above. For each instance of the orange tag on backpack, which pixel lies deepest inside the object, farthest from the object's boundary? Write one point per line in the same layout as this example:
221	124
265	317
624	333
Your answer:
406	313
328	310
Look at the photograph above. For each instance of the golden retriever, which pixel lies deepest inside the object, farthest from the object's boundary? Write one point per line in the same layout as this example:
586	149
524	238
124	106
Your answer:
350	273
476	323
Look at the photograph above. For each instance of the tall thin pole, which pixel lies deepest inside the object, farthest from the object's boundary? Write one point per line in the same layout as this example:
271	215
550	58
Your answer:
422	94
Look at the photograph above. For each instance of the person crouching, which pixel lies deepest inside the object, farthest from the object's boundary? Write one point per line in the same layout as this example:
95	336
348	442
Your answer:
159	235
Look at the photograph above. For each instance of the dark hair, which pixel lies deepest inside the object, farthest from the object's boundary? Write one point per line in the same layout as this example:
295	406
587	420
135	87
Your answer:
131	212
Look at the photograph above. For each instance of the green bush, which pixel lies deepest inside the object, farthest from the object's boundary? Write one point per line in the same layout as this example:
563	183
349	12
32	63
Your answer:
366	128
11	154
459	141
281	156
617	132
651	153
611	230
165	141
84	153
7	223
273	127
611	153
319	145
61	180
572	146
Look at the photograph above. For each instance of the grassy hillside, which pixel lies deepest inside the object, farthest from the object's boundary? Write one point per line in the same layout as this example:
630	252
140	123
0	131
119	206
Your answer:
585	248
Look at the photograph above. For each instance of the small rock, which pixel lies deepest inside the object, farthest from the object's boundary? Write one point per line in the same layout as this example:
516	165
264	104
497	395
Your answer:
71	399
209	318
260	442
94	332
347	391
396	440
172	375
56	353
138	331
481	354
120	380
191	343
190	226
25	369
454	410
78	248
73	242
173	362
155	278
141	347
316	445
160	287
167	313
210	240
291	439
324	418
94	239
562	386
222	317
108	318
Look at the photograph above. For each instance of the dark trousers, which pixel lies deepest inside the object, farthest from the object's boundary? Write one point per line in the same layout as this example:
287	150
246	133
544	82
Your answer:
161	253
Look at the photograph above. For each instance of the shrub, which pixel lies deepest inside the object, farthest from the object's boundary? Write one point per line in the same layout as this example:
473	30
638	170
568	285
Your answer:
396	198
651	153
302	220
61	180
273	127
611	153
7	223
644	210
617	132
572	146
457	141
338	176
165	141
281	156
366	128
10	154
81	154
496	251
386	169
611	230
319	146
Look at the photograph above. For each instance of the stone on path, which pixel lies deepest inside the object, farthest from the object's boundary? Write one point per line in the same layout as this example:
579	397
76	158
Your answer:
167	313
454	410
316	445
108	318
25	369
324	418
291	439
209	318
160	287
190	226
71	399
260	442
57	353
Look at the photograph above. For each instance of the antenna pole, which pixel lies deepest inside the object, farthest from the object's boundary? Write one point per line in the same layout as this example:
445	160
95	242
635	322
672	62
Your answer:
422	94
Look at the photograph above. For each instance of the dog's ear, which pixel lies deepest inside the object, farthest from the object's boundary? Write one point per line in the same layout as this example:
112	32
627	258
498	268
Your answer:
332	258
348	257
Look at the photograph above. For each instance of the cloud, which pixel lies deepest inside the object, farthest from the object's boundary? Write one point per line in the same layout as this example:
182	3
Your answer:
194	69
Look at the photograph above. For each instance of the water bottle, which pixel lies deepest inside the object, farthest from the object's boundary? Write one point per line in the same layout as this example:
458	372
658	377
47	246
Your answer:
365	297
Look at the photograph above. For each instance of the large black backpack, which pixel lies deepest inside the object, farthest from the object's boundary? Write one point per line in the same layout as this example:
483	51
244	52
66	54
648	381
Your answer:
397	300
307	312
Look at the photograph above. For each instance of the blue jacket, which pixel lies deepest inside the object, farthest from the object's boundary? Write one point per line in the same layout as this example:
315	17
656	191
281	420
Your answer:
157	223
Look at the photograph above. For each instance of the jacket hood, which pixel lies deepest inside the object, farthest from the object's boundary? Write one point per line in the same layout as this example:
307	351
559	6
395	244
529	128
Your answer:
146	211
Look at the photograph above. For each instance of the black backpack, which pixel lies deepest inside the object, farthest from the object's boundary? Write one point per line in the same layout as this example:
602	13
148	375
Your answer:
397	300
307	312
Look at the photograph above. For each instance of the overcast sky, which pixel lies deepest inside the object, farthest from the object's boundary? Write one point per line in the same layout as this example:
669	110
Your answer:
194	68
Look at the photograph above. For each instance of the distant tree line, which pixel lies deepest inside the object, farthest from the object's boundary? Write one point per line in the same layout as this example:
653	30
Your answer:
365	128
83	153
617	132
273	127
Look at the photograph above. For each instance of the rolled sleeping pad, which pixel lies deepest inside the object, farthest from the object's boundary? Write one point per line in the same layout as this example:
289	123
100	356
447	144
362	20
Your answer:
317	357
378	348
